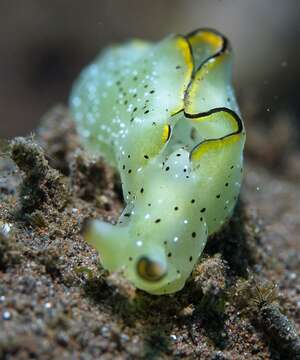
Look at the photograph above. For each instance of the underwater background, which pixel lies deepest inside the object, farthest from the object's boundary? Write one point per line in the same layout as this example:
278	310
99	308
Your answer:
45	44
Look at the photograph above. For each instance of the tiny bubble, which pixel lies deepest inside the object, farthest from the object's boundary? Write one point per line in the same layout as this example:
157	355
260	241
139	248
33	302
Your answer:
5	228
6	315
292	276
284	63
124	337
104	330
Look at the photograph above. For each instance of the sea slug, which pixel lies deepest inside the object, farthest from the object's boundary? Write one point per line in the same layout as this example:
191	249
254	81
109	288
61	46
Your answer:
165	115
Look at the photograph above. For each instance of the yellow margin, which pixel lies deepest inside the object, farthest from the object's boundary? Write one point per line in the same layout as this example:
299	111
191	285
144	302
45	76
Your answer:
184	47
201	74
234	136
209	37
166	133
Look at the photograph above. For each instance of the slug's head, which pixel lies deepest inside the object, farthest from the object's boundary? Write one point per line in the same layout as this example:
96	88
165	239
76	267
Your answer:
161	232
146	264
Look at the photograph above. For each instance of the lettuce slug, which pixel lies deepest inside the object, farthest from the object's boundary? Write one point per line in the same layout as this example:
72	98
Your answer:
165	115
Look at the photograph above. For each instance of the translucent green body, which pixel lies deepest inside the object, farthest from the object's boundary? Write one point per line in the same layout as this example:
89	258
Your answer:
166	117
